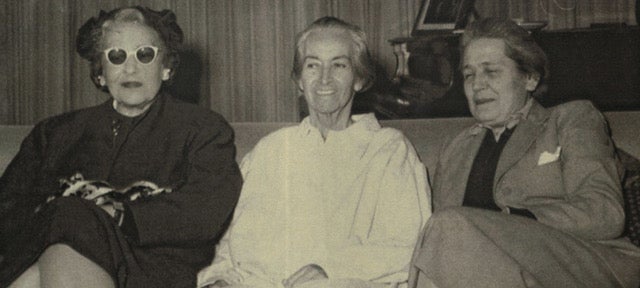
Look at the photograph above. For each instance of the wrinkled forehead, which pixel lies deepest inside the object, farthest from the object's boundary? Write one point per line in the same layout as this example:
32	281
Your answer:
329	38
128	34
483	50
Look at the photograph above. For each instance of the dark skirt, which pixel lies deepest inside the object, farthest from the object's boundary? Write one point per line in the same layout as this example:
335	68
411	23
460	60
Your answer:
90	231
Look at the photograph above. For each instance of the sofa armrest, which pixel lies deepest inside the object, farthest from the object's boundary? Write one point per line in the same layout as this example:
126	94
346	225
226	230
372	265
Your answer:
631	194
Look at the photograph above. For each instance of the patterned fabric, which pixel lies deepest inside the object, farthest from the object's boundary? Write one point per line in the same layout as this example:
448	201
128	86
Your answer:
631	190
102	193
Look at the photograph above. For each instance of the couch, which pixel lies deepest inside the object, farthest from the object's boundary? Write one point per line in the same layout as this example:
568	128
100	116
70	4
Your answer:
427	136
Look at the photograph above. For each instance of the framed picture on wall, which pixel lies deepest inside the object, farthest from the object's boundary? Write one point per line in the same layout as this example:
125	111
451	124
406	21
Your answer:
438	15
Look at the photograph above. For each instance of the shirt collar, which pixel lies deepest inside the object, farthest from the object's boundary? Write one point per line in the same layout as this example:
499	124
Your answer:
361	122
513	120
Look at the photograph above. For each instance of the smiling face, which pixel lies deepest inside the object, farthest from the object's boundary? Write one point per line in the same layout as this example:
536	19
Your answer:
494	86
328	79
132	85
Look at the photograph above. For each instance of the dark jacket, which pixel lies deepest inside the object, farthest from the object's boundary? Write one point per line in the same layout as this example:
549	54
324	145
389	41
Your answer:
175	145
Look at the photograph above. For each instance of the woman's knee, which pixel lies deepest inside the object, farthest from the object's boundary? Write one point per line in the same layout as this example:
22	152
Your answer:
28	279
63	265
61	255
450	224
452	215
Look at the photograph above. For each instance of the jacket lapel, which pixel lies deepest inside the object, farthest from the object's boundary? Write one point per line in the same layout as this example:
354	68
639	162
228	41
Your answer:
524	135
460	165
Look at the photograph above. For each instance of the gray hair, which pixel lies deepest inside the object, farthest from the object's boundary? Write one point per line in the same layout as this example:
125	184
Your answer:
519	44
362	62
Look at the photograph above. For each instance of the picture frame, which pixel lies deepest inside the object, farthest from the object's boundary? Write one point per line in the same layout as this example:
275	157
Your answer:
442	15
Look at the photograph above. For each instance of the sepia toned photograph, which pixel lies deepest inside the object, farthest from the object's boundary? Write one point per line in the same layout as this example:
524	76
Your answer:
319	143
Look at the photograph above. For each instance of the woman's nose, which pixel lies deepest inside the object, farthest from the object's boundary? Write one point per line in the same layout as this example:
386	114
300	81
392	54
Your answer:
130	64
479	82
326	75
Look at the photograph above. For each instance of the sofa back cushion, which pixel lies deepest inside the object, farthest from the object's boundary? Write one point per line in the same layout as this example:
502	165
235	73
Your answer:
249	133
427	135
10	138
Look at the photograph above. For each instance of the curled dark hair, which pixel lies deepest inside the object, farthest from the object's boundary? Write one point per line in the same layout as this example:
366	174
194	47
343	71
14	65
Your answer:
88	41
362	62
519	44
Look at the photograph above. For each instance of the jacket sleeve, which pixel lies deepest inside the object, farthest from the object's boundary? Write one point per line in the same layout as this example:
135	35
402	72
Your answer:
18	184
222	266
198	210
592	207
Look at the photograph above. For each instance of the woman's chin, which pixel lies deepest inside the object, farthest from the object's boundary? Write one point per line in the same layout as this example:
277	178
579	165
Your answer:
132	109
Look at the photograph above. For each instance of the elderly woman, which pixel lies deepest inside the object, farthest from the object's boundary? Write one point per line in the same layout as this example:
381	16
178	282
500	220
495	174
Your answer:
529	196
155	179
336	201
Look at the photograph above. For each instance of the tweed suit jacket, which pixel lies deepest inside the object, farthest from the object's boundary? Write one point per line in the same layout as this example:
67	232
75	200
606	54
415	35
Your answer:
559	163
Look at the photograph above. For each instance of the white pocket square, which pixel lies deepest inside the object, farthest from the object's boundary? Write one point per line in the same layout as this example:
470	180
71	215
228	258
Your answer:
548	157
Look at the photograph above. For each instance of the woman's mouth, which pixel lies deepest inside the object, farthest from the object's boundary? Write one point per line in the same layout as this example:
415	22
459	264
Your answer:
325	92
131	84
483	101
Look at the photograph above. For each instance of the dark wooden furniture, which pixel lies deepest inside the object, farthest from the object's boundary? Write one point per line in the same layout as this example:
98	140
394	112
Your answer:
601	64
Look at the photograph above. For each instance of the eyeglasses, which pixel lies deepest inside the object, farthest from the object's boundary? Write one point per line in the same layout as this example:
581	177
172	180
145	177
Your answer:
144	54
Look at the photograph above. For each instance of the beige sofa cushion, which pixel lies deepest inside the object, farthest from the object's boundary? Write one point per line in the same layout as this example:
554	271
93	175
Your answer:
427	135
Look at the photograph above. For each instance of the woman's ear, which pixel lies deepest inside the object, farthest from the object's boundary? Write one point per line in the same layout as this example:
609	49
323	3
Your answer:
102	81
299	82
357	85
532	81
166	74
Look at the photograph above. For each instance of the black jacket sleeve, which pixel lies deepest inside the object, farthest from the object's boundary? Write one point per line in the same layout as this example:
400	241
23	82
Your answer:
18	197
198	209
